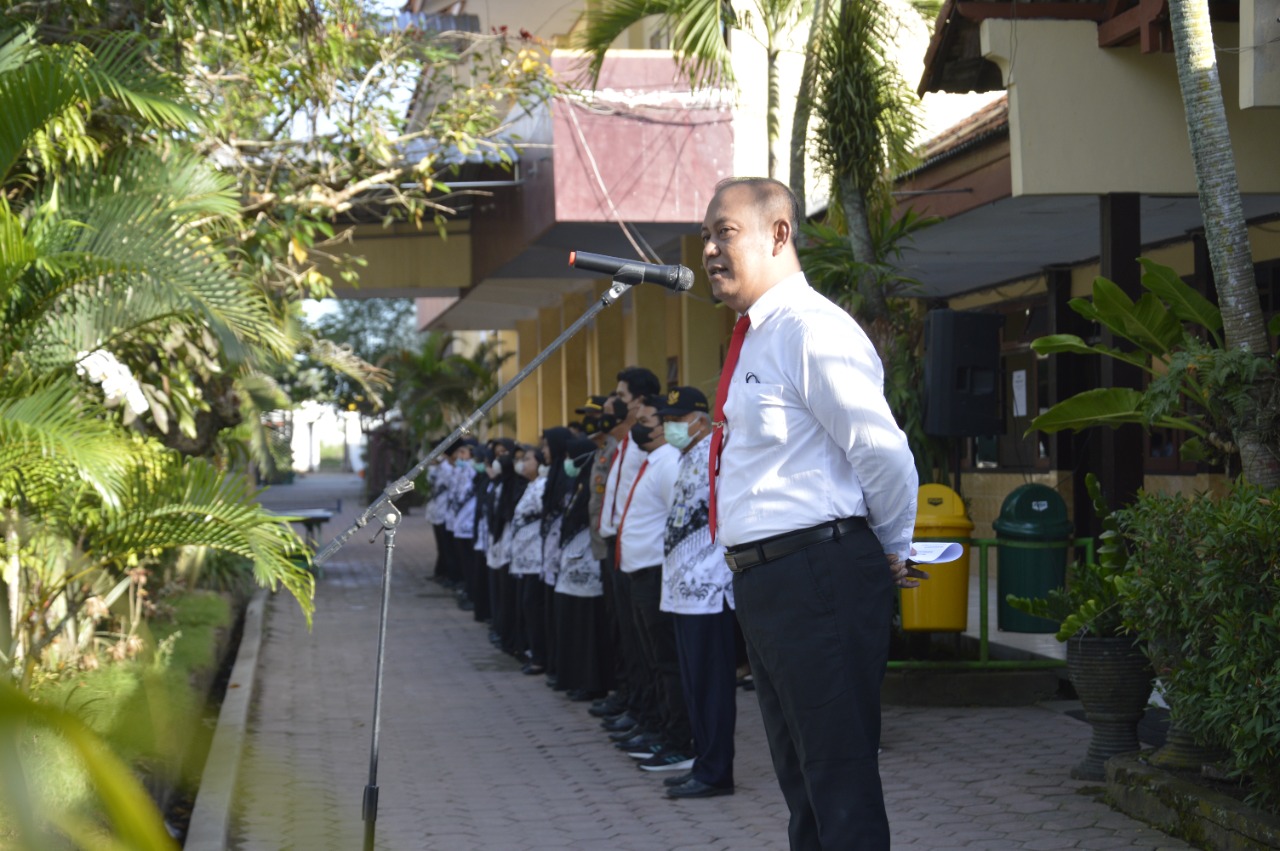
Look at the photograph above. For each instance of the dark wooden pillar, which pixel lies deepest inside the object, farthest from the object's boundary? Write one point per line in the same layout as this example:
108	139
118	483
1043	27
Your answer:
1069	375
1120	456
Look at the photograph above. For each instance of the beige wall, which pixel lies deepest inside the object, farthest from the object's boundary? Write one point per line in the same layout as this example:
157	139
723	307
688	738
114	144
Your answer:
1260	53
1090	120
403	260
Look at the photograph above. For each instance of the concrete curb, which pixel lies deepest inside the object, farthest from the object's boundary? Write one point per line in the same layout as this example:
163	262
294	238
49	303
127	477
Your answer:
210	825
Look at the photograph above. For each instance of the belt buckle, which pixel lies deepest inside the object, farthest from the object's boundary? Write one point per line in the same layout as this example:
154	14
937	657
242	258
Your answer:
728	558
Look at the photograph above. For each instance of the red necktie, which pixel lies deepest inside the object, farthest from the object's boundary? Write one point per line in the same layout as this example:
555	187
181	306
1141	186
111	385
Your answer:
612	458
617	545
717	418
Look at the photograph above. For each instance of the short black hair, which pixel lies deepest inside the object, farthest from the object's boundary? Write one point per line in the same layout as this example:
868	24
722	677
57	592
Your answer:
640	381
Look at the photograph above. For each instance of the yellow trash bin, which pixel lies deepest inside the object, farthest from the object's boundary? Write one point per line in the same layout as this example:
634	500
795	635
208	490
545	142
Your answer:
941	603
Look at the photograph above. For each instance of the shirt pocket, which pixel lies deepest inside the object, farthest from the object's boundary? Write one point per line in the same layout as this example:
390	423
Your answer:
763	413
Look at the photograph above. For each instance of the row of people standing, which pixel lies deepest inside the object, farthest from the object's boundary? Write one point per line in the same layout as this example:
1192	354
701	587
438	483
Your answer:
592	560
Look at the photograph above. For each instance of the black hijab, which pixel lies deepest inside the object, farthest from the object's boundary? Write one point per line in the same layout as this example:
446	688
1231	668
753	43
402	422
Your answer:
513	485
576	517
559	485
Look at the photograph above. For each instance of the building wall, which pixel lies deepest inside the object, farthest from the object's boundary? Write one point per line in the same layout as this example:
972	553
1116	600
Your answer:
1127	129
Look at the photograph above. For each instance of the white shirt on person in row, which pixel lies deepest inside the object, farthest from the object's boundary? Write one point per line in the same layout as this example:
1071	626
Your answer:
646	511
622	475
695	577
810	437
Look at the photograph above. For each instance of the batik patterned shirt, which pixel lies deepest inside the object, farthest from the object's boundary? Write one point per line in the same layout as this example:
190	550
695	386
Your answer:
695	578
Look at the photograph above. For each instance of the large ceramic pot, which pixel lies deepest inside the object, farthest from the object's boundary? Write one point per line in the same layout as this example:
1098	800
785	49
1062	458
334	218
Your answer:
1112	677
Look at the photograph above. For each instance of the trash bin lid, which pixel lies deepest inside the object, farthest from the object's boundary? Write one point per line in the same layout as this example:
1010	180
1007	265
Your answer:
1034	511
939	500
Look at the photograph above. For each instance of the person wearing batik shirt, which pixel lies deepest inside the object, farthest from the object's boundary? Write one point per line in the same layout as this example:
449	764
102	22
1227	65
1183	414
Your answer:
697	590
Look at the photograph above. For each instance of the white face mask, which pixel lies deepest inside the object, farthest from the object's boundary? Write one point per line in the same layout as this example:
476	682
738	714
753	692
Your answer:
495	467
543	469
677	434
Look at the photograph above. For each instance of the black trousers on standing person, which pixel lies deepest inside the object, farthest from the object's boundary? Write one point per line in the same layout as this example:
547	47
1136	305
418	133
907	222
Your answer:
817	628
658	643
641	701
533	618
442	557
708	673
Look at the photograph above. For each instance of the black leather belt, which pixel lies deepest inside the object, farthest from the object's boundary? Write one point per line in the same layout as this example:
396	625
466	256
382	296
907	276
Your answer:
745	556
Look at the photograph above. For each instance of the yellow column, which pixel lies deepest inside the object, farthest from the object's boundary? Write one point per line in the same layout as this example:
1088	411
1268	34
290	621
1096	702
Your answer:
551	373
527	393
575	351
505	413
649	317
611	344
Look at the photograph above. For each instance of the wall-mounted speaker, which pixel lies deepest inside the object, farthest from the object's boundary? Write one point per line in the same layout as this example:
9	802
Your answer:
962	374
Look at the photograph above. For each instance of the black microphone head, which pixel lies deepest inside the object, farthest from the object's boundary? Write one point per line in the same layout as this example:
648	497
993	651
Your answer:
684	280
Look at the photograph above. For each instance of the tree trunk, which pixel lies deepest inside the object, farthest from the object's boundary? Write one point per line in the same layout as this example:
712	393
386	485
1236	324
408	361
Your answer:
804	106
771	112
1225	229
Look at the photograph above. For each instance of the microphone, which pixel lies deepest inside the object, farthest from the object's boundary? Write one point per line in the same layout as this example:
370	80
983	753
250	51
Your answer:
675	278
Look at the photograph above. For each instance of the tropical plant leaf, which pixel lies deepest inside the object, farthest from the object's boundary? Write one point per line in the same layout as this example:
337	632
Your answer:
135	821
1186	304
1071	344
1146	324
1109	406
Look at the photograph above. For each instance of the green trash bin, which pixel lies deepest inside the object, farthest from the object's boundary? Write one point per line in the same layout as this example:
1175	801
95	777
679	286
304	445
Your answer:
1037	515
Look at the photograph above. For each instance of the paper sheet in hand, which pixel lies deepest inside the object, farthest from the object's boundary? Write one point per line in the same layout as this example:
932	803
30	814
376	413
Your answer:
935	552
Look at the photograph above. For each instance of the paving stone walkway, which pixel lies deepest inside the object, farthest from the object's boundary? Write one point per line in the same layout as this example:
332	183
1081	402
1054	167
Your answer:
476	756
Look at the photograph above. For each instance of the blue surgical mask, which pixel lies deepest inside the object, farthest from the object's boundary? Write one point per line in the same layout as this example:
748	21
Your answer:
479	465
571	469
677	434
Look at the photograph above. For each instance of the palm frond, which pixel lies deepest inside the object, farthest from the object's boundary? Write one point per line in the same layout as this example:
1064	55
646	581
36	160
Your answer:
50	438
175	503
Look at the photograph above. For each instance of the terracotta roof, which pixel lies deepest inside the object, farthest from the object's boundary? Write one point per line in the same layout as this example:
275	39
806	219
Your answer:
990	119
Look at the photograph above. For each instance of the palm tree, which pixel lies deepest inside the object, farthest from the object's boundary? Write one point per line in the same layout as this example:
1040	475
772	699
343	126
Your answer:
1225	230
96	264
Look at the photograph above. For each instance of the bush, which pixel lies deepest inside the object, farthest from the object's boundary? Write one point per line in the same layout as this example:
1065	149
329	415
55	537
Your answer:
1204	590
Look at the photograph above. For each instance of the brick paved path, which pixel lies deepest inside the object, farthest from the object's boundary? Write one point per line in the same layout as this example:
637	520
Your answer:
476	756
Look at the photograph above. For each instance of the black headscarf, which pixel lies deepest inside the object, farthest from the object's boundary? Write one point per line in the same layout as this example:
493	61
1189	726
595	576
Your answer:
513	485
576	517
555	497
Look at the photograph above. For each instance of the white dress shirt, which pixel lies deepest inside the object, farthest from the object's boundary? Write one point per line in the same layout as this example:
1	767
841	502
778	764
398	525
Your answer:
810	437
621	476
695	577
646	513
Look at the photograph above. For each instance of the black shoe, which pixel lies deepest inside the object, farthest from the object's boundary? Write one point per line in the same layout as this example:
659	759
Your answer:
622	722
623	735
678	779
668	759
692	788
581	695
638	742
531	669
607	707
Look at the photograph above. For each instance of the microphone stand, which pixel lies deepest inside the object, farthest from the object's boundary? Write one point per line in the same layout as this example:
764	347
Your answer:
384	510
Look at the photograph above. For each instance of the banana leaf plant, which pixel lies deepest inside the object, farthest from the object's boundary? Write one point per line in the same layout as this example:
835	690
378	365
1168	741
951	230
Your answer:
1196	384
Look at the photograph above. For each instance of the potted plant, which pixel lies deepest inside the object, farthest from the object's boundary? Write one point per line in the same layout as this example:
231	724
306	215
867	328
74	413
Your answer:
1108	667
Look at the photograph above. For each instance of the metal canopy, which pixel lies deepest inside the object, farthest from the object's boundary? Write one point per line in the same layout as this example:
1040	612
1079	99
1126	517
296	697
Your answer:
1016	238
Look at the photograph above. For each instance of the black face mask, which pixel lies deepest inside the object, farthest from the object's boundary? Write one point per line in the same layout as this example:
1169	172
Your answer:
640	434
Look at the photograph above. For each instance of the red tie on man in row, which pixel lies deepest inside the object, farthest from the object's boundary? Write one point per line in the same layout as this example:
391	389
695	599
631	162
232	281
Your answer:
717	417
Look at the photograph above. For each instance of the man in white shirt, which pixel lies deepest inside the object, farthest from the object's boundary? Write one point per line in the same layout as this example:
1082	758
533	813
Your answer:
634	383
640	553
816	486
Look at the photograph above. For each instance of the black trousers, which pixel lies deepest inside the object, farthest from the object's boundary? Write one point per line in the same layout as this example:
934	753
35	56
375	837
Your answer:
533	617
442	556
447	555
642	703
817	630
708	673
613	638
497	614
478	569
658	643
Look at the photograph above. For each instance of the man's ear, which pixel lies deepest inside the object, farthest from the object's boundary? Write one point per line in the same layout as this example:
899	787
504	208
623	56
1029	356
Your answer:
781	236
